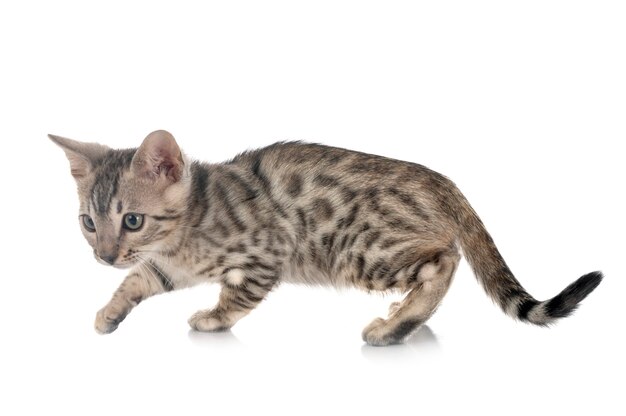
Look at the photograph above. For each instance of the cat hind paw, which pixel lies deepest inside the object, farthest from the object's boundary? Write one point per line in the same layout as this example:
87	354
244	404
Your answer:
207	321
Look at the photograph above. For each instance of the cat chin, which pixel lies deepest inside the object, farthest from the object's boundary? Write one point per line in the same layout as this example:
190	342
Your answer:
123	266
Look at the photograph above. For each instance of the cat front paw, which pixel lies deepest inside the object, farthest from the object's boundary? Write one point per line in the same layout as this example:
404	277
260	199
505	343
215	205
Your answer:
209	320
107	321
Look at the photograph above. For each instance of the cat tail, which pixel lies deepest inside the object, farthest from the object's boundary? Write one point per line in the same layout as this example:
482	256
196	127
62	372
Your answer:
500	284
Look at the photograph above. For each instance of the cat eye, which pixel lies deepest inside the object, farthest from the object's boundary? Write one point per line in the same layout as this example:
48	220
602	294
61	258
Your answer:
89	224
133	222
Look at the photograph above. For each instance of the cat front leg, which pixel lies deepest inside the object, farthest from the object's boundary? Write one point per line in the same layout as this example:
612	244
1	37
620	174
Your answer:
242	291
142	282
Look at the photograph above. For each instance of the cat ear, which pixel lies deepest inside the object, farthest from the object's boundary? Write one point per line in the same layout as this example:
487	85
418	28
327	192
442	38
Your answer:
82	156
159	155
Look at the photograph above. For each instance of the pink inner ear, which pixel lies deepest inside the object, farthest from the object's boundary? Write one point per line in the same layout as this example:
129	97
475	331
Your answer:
168	168
159	154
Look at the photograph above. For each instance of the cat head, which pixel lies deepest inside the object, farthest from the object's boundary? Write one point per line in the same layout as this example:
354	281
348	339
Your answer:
131	200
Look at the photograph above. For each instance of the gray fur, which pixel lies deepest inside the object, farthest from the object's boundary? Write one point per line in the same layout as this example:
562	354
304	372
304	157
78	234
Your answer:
290	212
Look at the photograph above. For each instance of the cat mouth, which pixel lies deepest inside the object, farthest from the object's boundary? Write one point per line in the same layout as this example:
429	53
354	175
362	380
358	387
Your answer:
125	264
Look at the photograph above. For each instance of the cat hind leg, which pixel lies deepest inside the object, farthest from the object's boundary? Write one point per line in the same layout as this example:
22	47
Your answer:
420	303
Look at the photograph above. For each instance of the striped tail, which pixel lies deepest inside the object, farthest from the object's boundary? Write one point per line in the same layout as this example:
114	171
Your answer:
562	305
500	284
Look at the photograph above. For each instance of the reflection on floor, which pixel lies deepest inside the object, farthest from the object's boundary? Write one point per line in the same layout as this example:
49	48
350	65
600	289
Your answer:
423	341
217	339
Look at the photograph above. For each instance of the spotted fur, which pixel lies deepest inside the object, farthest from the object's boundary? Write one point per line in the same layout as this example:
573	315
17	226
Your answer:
290	212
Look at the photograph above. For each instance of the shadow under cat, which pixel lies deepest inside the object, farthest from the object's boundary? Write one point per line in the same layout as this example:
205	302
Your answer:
214	339
423	341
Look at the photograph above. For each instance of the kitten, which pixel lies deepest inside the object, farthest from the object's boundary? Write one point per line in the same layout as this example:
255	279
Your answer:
290	212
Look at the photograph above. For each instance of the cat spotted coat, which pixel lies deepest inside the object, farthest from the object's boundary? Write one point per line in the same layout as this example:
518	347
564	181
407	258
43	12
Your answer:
290	212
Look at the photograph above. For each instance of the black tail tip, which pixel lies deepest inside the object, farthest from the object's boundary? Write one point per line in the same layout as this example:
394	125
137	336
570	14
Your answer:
567	301
590	281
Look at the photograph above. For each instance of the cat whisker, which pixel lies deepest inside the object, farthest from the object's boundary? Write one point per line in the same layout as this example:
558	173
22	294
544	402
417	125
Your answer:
161	257
148	252
153	270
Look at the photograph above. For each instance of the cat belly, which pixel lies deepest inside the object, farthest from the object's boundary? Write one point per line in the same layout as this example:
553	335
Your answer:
308	275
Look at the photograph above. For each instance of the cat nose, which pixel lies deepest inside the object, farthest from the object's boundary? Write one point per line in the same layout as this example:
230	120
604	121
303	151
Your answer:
109	258
107	249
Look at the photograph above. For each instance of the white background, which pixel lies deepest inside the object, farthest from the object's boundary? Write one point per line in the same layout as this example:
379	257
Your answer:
523	104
